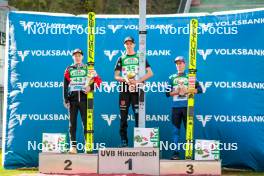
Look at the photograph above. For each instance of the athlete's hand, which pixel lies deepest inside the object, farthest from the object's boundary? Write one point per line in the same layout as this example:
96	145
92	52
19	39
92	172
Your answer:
121	79
134	82
174	93
87	89
192	91
182	91
67	105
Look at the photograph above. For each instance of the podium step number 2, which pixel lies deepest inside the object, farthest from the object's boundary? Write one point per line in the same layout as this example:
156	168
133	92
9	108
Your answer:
51	163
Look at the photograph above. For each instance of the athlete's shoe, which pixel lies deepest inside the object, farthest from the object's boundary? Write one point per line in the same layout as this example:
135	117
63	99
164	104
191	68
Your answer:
73	150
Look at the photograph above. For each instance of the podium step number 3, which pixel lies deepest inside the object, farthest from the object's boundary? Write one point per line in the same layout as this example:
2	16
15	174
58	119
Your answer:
190	167
129	160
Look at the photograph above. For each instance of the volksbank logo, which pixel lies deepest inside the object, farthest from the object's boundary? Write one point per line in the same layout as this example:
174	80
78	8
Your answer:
40	117
205	27
23	54
46	84
22	86
111	53
109	118
230	52
205	53
114	28
205	85
204	119
45	53
21	118
231	85
238	22
26	25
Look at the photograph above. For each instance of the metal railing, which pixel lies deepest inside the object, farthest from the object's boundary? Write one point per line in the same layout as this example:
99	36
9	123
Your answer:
184	6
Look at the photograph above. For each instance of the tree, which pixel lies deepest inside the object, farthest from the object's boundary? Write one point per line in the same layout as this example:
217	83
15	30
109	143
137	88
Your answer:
98	6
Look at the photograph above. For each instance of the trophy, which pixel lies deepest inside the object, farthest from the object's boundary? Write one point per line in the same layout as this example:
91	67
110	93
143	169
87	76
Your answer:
182	89
130	75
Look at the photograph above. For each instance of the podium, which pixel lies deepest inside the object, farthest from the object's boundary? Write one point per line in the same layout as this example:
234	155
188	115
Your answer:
124	161
56	163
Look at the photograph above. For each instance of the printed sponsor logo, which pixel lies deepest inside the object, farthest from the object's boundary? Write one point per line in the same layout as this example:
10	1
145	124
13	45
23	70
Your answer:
111	53
22	86
109	118
43	53
38	84
41	117
205	53
231	85
204	119
230	52
115	28
23	54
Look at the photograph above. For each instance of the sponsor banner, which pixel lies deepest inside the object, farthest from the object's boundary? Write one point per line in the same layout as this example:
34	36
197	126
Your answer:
229	70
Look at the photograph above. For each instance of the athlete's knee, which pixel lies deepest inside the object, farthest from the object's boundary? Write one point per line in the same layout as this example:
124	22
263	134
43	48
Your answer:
176	131
123	107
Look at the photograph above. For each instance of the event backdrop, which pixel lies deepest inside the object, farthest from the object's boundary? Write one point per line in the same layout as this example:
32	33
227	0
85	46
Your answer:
230	70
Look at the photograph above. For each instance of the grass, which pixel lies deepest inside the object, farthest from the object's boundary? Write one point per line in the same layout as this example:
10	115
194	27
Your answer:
241	173
4	172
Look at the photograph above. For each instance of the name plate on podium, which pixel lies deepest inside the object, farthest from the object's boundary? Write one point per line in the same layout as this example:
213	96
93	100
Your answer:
129	160
57	163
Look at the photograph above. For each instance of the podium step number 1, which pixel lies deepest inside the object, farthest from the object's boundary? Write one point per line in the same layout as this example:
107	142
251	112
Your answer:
129	160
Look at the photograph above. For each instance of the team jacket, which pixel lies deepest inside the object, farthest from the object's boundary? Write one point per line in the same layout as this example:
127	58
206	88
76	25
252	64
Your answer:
75	80
180	81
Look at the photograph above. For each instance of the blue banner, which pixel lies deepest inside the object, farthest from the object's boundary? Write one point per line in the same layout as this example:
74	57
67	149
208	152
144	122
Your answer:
230	70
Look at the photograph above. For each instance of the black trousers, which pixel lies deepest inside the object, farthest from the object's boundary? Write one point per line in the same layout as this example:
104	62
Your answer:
74	108
125	99
179	115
